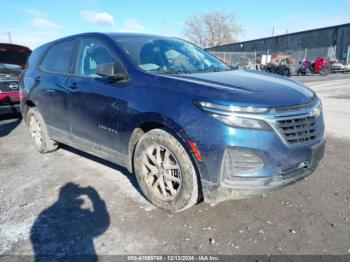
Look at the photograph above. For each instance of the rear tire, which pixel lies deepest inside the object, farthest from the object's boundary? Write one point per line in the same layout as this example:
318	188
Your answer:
165	171
38	132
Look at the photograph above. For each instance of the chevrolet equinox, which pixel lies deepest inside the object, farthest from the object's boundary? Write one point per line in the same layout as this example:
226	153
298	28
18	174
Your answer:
187	125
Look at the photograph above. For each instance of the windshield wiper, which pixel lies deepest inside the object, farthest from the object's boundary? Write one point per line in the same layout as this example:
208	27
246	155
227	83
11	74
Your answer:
164	72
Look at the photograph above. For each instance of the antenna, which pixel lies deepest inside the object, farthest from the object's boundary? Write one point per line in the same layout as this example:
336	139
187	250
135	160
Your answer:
162	29
10	38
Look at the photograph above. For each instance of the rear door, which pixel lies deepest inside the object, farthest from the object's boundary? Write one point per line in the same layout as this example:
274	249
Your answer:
52	80
98	107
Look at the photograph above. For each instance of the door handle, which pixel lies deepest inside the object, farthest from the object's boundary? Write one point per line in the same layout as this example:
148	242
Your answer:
37	79
73	85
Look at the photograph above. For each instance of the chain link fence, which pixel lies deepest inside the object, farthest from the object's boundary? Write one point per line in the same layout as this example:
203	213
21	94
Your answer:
253	60
241	59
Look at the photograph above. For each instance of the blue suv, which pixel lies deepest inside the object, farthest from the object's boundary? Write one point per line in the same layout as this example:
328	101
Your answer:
187	125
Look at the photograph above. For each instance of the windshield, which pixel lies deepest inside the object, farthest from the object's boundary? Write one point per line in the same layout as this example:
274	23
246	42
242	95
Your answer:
168	56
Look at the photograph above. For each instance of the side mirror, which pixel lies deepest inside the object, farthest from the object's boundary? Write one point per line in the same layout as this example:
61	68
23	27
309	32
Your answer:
111	71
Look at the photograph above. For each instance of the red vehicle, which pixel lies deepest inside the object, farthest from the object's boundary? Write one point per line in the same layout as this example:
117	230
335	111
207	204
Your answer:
319	66
13	59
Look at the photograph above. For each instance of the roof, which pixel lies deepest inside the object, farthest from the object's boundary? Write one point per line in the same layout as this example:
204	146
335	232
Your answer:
132	34
108	34
104	34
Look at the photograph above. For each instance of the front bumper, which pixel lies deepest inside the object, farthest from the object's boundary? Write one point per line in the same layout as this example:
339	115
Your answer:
214	194
263	170
245	187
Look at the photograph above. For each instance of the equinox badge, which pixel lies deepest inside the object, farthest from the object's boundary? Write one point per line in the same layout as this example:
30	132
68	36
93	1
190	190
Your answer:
108	129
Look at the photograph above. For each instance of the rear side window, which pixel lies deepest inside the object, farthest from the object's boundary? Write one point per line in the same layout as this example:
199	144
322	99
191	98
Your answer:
35	56
58	59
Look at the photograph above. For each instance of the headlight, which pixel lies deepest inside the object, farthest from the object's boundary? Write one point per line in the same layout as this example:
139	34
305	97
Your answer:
241	122
317	110
235	109
226	115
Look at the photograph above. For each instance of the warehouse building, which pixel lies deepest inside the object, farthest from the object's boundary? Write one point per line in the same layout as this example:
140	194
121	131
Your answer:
331	41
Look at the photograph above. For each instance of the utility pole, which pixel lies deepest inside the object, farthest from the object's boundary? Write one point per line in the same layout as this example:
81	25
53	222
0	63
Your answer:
10	38
273	30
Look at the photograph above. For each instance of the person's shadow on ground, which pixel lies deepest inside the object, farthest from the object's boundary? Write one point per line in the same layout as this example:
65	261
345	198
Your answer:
66	229
8	123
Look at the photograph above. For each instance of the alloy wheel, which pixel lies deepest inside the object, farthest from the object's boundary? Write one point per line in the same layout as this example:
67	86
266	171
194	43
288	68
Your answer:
162	172
35	131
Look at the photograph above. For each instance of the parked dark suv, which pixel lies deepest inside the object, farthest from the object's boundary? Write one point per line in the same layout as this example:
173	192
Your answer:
186	124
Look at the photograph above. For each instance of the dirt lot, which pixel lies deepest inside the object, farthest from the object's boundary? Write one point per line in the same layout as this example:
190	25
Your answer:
310	217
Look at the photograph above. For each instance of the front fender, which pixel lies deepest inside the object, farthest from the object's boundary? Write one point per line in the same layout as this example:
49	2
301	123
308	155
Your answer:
149	121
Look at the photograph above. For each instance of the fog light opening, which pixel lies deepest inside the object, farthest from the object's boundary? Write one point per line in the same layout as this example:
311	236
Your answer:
241	163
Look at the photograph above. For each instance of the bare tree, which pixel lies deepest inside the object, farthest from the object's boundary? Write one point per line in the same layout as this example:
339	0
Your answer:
212	29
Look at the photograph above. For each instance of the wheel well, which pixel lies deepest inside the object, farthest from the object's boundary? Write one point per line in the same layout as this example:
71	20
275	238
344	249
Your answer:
148	126
28	104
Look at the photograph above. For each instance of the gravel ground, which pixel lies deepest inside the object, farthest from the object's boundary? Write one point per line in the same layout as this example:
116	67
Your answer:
112	217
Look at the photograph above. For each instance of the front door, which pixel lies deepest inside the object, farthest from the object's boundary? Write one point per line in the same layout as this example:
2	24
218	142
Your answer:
98	107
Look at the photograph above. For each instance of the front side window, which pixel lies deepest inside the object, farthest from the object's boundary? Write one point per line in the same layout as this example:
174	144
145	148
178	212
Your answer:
92	52
58	59
165	55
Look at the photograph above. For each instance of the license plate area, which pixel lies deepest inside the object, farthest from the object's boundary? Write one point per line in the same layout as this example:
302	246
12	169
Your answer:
317	153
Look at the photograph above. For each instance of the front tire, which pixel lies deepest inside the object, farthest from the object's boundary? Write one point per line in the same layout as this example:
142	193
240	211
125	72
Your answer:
38	132
165	171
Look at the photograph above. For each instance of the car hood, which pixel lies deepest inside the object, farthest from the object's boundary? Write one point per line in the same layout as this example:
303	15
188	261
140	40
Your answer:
14	54
248	86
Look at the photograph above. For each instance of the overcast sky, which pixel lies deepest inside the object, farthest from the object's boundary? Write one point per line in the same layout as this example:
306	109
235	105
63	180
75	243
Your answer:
34	22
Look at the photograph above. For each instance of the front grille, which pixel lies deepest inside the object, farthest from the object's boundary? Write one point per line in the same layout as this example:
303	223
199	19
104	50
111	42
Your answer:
8	86
298	130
